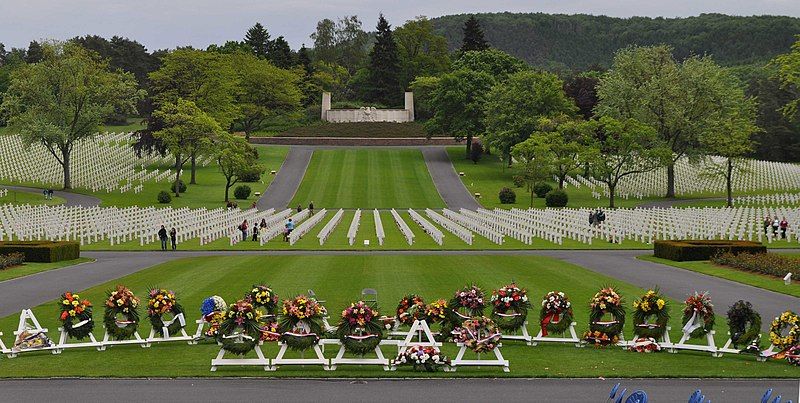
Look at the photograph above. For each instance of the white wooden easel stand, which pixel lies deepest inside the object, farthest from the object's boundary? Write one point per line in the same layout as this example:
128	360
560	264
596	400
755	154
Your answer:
459	361
341	360
135	340
319	360
422	332
525	336
198	334
710	345
3	348
24	316
548	339
63	342
726	349
220	361
165	332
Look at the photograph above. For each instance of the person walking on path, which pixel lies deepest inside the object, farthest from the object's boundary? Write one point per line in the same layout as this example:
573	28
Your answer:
255	233
784	226
243	228
288	230
162	235
173	237
311	207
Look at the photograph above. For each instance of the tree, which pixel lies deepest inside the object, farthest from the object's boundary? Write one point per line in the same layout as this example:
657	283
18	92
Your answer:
343	43
230	47
325	41
618	149
35	53
564	138
458	104
789	75
473	36
257	39
582	89
384	67
280	53
64	98
513	108
498	64
423	88
476	151
422	52
187	131
534	157
234	157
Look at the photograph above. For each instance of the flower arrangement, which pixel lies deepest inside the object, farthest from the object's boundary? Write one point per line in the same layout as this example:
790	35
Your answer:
699	306
644	345
605	332
359	328
410	308
301	322
159	303
510	307
76	315
469	299
269	331
213	309
436	311
261	296
239	331
649	305
422	358
479	334
744	324
793	355
556	314
789	320
214	319
121	317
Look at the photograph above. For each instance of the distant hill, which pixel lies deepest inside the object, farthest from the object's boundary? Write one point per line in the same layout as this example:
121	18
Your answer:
558	41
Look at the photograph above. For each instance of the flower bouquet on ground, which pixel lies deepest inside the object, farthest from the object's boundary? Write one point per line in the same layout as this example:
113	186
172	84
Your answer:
121	317
422	358
698	315
359	328
76	316
479	334
240	331
160	303
466	303
510	307
652	304
645	345
261	296
556	313
213	310
410	308
744	325
788	320
603	331
301	322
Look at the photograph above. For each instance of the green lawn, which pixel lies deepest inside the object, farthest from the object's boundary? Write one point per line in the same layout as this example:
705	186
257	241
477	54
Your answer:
367	178
15	197
739	276
33	268
339	280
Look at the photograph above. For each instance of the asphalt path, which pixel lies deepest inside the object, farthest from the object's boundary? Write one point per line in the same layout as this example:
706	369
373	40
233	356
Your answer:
398	390
447	182
70	199
282	189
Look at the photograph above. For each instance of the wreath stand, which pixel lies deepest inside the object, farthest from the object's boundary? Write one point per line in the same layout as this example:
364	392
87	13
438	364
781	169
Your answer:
621	342
663	341
319	360
726	349
687	330
198	334
261	361
136	339
63	340
341	360
3	348
544	339
499	361
515	335
37	329
165	332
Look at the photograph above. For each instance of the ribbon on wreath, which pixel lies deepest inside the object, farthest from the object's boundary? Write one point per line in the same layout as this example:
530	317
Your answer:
362	337
551	317
491	337
694	323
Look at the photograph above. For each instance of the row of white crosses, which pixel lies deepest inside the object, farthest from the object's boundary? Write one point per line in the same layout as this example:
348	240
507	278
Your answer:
330	226
277	225
778	199
403	227
379	232
427	227
451	226
306	226
352	232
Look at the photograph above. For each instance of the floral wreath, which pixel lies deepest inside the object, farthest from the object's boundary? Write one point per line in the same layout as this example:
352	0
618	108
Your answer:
301	322
261	296
479	334
698	305
605	301
644	345
793	355
121	301
744	324
359	328
556	313
652	303
239	332
471	300
213	310
510	307
161	302
787	319
422	358
76	316
410	308
436	311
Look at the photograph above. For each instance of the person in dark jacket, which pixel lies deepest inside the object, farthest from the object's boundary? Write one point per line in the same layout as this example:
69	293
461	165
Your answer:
162	235
173	237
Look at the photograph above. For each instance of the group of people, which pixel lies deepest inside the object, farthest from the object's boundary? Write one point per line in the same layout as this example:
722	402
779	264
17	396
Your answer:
597	218
173	237
48	194
774	224
244	227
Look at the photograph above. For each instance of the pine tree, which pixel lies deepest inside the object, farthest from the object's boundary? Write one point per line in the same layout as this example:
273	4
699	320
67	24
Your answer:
304	59
473	36
257	38
280	54
35	54
384	67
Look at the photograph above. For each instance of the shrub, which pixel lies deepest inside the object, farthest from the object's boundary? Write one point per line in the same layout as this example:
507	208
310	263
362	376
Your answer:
556	198
164	197
519	181
181	186
541	189
11	260
242	192
43	251
764	263
251	175
476	151
703	250
507	196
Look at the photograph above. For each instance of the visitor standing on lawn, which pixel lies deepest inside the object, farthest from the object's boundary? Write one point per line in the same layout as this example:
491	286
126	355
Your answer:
243	228
288	230
162	235
173	237
775	225
255	233
311	207
784	227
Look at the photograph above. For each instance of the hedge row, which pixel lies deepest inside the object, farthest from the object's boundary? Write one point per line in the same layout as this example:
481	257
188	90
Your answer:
703	250
363	129
764	263
43	251
11	260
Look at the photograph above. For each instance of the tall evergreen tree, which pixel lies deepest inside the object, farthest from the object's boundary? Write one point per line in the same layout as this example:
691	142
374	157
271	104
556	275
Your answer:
280	54
473	36
384	67
304	59
257	38
35	54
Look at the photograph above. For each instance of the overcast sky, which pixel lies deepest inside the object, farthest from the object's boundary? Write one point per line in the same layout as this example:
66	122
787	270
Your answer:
169	23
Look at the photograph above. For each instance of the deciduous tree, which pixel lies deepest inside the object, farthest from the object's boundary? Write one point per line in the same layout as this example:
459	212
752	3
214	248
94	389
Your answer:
234	157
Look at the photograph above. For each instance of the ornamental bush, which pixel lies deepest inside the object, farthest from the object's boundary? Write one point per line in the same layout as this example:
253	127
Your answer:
242	192
11	260
764	263
519	181
251	175
682	250
541	189
556	198
164	197
43	251
507	196
181	186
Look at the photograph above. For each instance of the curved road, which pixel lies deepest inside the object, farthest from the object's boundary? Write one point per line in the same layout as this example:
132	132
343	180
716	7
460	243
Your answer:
71	199
282	189
449	185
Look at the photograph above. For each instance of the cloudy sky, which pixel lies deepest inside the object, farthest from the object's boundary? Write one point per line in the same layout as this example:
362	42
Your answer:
169	23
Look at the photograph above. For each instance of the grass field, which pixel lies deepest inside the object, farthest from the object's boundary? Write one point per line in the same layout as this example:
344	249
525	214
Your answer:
33	268
15	197
339	280
367	178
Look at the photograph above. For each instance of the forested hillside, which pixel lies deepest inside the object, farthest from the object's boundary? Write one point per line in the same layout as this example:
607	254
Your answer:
558	41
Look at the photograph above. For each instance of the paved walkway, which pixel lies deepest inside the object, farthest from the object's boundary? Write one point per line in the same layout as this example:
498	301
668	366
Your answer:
398	390
71	199
447	182
282	189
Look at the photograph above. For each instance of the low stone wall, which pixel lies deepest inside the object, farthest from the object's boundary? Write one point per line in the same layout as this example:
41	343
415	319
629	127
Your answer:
355	141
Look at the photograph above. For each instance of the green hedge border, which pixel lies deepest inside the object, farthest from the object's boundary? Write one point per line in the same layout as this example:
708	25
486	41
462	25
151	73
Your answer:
42	251
687	250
